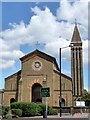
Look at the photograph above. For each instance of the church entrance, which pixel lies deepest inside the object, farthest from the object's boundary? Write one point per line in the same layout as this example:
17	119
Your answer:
36	97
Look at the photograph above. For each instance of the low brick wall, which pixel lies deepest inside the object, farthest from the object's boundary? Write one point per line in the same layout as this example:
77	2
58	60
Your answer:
74	109
82	109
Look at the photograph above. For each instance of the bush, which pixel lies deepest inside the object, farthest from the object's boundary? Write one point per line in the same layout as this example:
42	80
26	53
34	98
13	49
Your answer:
28	109
42	108
87	103
17	112
52	111
8	115
32	109
5	110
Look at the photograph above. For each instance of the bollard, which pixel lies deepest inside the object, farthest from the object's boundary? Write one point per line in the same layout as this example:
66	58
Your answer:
44	114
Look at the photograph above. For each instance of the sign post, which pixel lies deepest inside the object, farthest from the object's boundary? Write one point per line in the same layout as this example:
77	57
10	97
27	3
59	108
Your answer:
45	92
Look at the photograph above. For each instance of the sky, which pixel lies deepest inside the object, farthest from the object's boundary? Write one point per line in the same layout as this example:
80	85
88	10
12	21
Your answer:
49	23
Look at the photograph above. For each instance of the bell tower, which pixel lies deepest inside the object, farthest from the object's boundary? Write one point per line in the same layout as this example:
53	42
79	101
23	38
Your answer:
76	63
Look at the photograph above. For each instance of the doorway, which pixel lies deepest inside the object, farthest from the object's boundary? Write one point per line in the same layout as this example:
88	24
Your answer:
36	97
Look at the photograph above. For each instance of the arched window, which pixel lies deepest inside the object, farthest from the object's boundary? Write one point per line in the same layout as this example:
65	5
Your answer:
62	102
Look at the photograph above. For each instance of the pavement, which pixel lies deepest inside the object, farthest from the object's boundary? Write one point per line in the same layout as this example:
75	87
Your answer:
78	116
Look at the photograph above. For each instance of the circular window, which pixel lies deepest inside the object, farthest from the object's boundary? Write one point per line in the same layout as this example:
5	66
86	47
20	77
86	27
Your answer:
37	65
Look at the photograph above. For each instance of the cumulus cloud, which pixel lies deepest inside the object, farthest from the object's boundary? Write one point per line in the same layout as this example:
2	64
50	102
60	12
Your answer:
77	10
46	28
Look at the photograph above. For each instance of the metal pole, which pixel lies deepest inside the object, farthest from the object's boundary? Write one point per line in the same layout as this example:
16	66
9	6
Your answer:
60	87
46	106
80	106
46	100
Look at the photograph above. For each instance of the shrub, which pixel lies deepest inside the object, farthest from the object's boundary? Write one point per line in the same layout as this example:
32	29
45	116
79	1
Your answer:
17	112
42	108
8	115
52	111
87	103
5	110
28	109
32	109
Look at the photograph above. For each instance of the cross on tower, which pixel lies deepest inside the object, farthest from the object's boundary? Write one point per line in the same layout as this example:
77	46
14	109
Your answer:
37	44
75	21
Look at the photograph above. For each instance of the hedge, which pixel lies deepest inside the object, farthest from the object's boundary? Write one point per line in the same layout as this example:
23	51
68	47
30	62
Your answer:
8	115
17	112
52	111
33	109
28	109
5	110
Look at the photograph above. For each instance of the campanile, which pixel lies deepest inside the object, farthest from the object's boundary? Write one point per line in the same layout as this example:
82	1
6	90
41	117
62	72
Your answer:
76	63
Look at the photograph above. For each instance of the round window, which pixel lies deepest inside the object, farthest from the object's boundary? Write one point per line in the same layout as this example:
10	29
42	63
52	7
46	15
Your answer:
37	64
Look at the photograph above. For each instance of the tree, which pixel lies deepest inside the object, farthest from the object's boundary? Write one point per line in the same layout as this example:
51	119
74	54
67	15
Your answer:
86	98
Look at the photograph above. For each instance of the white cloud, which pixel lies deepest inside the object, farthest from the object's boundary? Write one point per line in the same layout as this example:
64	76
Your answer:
78	10
85	52
8	56
7	64
45	28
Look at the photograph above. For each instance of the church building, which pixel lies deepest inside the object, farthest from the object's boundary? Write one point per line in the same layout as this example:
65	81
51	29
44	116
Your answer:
40	70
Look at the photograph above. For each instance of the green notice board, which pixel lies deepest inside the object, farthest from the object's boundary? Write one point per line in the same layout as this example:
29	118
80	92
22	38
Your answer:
45	92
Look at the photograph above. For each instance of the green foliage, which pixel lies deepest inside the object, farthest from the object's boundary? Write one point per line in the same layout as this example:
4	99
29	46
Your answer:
8	115
28	109
52	111
5	110
86	98
87	102
32	109
17	112
86	95
42	108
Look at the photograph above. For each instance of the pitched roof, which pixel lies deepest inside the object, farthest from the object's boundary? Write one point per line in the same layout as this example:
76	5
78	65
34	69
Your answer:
63	75
15	74
40	54
76	36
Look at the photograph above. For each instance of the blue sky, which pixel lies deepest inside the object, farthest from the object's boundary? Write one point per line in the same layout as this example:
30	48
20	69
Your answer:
25	23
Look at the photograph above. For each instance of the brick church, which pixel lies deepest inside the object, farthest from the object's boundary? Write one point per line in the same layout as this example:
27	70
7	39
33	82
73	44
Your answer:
38	70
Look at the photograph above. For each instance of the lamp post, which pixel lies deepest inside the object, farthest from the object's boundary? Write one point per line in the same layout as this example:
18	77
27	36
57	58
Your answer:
60	98
60	87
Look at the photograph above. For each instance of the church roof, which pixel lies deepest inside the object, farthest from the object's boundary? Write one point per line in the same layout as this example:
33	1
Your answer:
76	36
15	74
40	54
63	75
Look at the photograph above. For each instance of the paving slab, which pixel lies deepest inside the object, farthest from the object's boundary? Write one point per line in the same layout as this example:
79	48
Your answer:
57	117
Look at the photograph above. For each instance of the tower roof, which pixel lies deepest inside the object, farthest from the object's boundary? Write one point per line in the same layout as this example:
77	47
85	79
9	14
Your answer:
76	36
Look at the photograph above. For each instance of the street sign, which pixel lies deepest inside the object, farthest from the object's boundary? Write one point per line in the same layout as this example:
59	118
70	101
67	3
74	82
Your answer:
45	92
